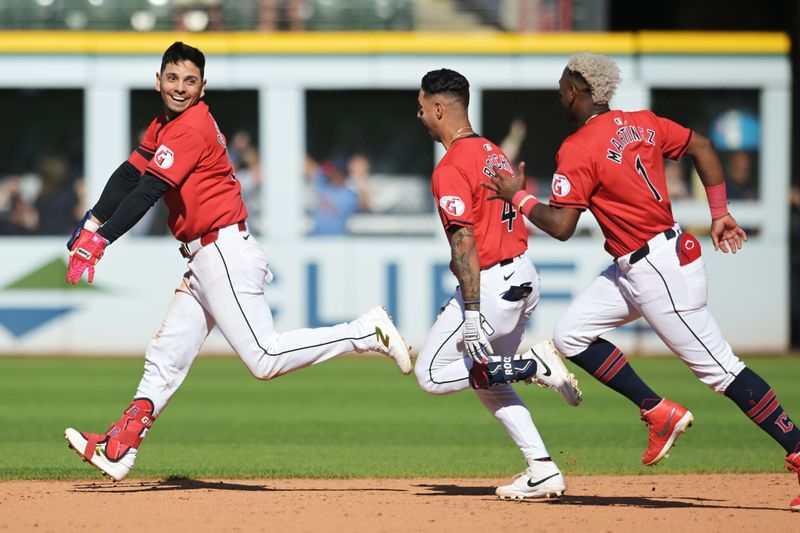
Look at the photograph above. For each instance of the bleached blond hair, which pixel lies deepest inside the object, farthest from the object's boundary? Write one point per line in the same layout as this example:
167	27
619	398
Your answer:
600	72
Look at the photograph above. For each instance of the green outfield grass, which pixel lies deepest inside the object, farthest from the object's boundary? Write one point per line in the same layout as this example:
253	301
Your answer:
358	417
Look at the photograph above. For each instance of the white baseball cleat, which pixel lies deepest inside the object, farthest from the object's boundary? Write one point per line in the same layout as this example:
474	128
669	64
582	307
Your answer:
542	482
388	340
552	374
117	469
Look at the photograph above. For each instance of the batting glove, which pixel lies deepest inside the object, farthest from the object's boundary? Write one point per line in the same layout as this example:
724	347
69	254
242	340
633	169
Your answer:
85	223
475	342
86	252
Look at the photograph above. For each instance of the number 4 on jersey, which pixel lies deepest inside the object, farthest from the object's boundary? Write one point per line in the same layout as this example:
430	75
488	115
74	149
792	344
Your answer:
509	214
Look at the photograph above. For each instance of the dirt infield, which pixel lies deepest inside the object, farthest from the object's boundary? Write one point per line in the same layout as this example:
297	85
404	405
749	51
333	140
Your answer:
593	503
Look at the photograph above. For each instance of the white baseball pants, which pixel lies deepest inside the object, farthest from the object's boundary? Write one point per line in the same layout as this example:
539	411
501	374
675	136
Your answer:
224	286
443	365
672	298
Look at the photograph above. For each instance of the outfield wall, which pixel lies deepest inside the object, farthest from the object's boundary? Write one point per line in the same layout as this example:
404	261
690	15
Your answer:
323	281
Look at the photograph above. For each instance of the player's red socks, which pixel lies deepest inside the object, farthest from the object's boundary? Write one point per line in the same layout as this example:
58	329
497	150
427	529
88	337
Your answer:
756	398
131	428
609	366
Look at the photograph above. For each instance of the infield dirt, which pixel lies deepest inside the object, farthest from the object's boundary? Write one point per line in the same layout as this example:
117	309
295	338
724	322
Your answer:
697	503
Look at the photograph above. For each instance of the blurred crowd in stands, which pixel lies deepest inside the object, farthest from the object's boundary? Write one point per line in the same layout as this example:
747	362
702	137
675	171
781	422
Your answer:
46	201
300	15
207	15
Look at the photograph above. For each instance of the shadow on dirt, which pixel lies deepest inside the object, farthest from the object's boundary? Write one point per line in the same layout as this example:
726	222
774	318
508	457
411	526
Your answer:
671	502
179	483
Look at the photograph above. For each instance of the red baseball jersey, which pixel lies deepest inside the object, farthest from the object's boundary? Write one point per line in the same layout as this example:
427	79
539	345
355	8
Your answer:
190	154
499	233
614	166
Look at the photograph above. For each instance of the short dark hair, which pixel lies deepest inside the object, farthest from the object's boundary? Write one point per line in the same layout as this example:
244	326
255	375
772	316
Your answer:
179	52
446	81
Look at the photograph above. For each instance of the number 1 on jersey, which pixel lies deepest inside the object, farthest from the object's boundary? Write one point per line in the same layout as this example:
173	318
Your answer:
641	170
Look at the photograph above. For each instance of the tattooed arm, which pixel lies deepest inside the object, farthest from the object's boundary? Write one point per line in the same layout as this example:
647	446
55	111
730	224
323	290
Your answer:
468	272
465	266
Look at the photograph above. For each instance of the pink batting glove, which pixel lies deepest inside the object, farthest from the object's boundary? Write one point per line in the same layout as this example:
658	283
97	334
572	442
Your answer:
76	268
86	252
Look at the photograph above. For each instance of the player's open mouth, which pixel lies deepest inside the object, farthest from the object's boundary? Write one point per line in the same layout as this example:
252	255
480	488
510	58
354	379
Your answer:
178	99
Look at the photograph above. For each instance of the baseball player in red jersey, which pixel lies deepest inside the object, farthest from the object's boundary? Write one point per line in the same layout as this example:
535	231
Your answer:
614	167
183	158
473	341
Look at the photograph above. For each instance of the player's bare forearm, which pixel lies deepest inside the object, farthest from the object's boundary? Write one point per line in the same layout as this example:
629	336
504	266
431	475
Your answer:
557	222
725	231
706	160
466	266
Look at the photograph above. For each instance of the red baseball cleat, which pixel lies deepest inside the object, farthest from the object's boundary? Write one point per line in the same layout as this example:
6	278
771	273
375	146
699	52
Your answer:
793	463
666	421
115	452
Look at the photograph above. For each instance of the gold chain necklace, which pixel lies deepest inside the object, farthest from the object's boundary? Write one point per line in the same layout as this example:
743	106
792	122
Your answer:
457	134
590	118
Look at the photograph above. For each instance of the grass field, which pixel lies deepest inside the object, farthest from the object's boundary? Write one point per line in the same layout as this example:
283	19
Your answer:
357	417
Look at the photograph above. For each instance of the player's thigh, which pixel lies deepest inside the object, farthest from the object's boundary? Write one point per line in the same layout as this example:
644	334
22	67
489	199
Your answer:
230	284
441	346
598	309
673	300
185	326
507	306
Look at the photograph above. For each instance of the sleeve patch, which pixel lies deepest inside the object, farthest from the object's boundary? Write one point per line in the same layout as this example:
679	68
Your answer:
164	157
452	205
561	185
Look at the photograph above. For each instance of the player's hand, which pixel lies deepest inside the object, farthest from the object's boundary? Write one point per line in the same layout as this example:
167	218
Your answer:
86	252
475	342
505	185
726	233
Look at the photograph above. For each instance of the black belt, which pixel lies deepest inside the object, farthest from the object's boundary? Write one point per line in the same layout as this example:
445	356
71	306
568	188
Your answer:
642	252
503	263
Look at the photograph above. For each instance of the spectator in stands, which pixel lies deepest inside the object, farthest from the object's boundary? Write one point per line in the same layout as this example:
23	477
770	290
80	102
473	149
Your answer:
677	181
739	176
511	143
358	172
17	215
334	200
280	14
246	163
58	198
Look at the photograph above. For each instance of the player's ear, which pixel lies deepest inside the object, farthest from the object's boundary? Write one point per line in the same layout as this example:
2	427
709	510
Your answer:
203	89
158	81
572	92
438	109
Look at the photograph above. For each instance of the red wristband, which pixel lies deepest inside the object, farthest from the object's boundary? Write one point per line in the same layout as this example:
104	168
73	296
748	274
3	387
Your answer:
717	200
524	202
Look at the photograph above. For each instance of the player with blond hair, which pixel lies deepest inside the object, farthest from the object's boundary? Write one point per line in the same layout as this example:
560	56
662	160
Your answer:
613	165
